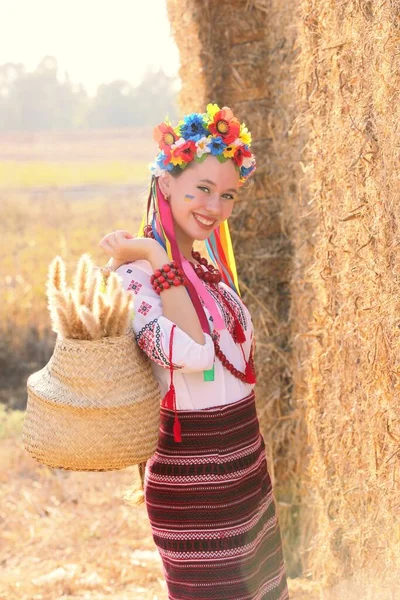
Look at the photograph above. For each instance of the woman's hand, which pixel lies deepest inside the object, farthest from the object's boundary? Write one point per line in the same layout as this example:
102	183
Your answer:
123	247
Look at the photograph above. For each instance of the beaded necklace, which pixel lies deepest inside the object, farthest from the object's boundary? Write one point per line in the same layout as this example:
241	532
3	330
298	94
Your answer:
213	276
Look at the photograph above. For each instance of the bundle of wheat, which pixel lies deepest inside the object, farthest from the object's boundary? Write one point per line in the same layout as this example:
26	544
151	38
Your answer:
95	405
95	307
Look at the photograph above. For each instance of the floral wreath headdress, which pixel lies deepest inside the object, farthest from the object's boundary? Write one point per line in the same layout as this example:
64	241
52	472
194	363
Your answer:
216	132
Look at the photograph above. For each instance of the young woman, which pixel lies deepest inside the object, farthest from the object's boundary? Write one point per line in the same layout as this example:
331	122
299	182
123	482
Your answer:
207	488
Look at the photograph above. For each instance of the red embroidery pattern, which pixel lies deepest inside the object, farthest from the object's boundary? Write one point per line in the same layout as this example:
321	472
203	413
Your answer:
134	286
149	340
146	339
144	308
216	335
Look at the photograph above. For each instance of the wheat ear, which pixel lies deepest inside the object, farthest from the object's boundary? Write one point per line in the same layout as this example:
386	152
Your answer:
83	270
77	329
62	324
124	317
56	274
93	290
90	322
113	284
58	299
113	317
55	283
103	309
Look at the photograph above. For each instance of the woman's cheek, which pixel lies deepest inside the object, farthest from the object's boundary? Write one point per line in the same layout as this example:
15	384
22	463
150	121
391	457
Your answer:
189	198
227	210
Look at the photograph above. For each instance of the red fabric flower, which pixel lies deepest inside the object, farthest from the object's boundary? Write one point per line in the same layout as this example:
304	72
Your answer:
186	152
240	154
225	125
165	136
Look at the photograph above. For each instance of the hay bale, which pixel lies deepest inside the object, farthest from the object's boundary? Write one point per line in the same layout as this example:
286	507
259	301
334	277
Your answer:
240	54
348	83
318	228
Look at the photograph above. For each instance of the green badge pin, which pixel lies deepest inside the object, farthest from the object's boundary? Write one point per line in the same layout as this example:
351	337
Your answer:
209	375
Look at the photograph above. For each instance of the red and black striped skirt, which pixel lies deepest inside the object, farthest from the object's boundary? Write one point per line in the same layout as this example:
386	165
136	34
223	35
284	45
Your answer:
211	507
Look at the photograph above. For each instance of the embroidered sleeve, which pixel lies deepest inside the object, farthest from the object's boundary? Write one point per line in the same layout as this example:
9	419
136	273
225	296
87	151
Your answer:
153	329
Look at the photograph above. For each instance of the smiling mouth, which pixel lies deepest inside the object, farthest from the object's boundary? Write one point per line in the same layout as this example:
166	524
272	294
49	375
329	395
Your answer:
205	223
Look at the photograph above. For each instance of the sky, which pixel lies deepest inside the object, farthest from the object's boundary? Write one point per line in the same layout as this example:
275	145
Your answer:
95	41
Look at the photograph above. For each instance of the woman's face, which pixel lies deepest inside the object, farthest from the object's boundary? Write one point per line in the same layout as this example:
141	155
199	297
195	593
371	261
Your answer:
202	197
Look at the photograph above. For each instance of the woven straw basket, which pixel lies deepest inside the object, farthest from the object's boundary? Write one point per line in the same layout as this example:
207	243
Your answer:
95	406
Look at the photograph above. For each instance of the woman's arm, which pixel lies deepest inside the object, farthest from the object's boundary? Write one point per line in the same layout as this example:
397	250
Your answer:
153	329
176	303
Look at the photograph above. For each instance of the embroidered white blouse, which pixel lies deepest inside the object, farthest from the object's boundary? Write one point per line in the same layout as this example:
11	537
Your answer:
189	359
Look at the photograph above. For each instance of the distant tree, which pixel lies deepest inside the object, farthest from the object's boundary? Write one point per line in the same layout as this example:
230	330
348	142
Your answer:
39	101
112	106
156	97
118	104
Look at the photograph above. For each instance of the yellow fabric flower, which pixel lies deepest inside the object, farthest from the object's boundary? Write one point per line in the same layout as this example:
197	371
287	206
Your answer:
229	151
245	135
212	110
176	160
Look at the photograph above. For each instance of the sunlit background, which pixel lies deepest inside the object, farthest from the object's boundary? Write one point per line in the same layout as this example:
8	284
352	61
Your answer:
93	42
82	84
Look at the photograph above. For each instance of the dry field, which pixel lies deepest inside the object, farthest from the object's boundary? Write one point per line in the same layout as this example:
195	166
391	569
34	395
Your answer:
60	194
70	535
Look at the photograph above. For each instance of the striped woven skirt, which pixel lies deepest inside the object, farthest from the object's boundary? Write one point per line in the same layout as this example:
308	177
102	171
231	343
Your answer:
211	507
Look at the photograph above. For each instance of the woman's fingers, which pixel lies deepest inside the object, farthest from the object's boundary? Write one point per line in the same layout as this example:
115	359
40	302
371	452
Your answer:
116	244
107	247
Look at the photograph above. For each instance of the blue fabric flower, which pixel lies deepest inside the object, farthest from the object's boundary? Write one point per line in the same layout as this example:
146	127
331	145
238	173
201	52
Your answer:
245	172
161	156
193	127
217	145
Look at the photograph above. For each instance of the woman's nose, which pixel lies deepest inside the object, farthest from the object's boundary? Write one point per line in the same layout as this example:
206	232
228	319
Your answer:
213	204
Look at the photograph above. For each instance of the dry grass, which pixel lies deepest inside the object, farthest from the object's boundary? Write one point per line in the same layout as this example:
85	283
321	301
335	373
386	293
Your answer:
33	230
68	535
104	145
95	307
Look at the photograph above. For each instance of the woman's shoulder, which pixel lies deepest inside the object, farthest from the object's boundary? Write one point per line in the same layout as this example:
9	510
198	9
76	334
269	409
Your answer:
137	265
136	276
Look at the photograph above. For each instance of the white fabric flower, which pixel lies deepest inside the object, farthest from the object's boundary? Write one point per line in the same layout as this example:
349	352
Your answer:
156	170
248	161
202	146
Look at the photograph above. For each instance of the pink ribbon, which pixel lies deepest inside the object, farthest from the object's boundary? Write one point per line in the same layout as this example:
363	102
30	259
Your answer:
204	294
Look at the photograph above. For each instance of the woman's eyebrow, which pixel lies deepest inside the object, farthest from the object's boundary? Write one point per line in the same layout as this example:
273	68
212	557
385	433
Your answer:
212	183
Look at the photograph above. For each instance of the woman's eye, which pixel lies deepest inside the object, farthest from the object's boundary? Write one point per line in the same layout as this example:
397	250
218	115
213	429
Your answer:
229	196
203	188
